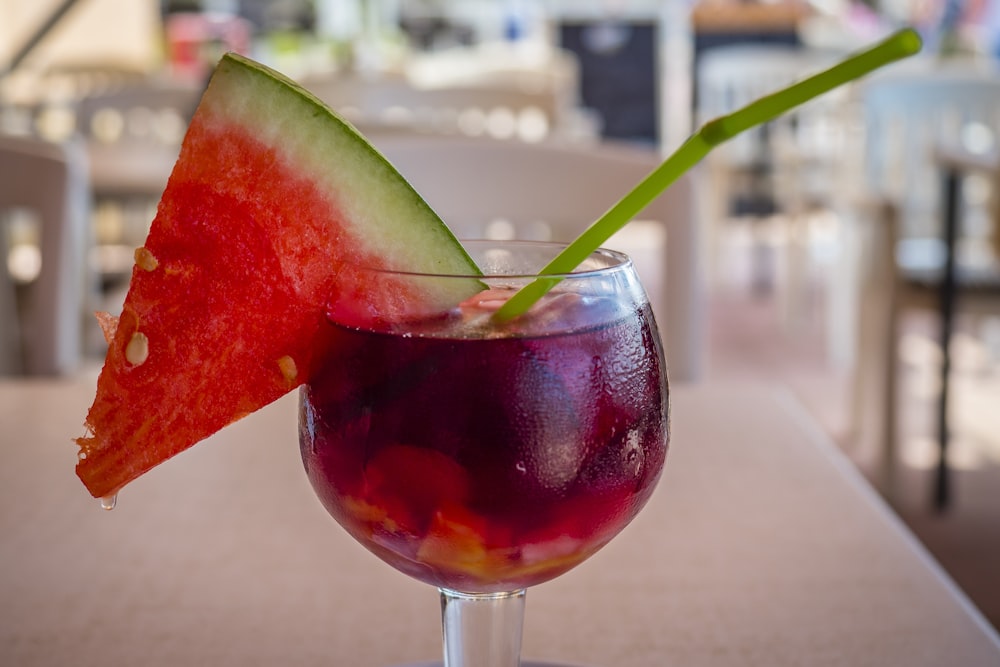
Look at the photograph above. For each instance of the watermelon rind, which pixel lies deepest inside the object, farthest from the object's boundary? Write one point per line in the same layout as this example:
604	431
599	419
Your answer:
249	93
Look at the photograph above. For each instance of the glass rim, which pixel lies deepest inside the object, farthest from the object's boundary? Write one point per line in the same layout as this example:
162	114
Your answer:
618	261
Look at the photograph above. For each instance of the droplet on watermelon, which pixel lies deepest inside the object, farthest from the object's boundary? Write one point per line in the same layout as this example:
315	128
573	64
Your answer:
225	311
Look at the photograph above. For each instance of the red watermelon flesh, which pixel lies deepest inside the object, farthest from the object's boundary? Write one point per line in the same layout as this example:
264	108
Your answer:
272	192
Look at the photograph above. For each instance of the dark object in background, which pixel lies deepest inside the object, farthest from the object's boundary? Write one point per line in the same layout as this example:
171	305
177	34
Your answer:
618	73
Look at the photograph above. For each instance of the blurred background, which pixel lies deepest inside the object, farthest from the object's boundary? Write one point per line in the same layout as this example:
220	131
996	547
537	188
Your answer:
849	250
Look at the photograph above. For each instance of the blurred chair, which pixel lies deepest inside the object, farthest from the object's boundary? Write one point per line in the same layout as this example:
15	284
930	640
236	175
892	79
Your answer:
47	183
77	80
553	191
133	135
784	167
936	250
729	77
499	64
11	362
388	103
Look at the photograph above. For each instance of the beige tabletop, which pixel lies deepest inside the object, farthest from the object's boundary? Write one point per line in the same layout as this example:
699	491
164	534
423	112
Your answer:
762	546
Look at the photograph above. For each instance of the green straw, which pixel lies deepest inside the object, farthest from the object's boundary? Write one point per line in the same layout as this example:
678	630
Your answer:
899	45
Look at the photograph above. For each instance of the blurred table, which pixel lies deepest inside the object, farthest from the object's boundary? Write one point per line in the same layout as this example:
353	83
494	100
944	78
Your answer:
762	546
955	163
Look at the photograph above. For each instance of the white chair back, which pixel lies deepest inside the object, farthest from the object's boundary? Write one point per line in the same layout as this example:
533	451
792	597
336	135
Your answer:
553	191
501	111
48	181
729	77
908	115
134	134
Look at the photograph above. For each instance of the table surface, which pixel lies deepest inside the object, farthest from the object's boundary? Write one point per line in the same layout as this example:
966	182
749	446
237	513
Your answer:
761	546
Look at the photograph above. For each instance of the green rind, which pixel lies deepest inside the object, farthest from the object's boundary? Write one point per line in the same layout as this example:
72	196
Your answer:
374	197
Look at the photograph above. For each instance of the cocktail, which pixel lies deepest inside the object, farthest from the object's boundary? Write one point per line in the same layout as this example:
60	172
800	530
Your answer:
483	417
484	456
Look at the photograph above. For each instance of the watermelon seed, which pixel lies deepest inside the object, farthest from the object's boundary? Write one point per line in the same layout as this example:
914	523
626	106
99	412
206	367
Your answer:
288	368
138	349
145	259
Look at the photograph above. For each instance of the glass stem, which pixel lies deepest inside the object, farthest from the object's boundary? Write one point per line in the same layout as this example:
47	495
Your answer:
482	630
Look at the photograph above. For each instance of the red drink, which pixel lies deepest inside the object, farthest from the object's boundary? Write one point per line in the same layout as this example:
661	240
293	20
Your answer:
489	461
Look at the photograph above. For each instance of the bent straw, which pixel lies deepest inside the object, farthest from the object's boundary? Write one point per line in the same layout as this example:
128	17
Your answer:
897	46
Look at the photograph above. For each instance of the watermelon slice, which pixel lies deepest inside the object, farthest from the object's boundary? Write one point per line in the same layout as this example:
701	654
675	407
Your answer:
271	193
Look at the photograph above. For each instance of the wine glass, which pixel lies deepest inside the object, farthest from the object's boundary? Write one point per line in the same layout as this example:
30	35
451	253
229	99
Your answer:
484	457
